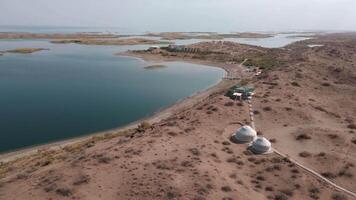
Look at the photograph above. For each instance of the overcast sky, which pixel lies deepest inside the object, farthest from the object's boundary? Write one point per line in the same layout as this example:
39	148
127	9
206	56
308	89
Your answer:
184	15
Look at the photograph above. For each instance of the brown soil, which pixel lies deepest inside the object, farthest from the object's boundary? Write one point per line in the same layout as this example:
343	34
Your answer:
188	155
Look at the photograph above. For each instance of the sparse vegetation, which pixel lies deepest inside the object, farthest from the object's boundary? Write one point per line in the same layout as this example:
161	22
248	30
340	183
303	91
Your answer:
273	140
338	197
226	189
328	175
351	126
287	192
353	141
171	133
295	84
230	103
333	136
195	151
326	84
82	179
267	108
102	158
143	126
314	193
64	192
226	143
303	136
281	197
304	154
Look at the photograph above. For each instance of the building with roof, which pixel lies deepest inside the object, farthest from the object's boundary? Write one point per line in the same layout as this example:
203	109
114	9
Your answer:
244	134
261	145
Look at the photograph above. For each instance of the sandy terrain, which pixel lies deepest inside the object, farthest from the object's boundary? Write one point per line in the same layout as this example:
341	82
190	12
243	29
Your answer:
305	104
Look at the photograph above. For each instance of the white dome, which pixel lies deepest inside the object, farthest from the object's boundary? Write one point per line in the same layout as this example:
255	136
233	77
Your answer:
244	134
261	145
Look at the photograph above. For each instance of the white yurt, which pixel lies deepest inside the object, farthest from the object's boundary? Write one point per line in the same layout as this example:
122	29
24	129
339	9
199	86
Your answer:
244	134
260	145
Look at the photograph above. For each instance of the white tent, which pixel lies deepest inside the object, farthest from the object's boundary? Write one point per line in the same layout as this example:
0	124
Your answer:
260	145
244	134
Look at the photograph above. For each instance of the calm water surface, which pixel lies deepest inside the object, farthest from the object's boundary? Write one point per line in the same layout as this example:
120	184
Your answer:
72	90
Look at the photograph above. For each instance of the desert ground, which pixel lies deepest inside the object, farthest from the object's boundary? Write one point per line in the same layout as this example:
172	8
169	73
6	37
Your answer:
305	104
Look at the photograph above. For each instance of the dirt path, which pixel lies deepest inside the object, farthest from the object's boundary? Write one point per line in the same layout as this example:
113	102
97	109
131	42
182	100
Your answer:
307	169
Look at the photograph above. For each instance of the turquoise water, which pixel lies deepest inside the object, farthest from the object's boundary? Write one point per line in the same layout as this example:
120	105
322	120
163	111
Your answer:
73	90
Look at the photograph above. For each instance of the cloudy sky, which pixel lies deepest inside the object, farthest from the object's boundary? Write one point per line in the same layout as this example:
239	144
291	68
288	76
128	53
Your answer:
184	15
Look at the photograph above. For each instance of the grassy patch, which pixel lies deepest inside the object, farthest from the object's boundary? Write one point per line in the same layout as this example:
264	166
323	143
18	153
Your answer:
266	61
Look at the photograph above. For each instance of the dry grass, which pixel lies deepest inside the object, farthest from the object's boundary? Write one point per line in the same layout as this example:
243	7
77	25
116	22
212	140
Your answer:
303	136
226	189
351	126
64	192
338	197
304	154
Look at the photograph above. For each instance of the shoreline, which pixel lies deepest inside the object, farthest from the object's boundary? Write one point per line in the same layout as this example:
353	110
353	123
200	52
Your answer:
155	117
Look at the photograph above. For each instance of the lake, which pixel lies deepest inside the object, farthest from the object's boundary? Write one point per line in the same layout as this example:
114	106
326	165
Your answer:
72	90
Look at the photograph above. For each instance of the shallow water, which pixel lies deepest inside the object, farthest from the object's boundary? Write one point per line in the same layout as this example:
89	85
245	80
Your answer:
73	90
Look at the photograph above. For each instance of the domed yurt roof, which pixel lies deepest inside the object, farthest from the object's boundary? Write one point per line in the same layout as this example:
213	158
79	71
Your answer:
261	145
244	134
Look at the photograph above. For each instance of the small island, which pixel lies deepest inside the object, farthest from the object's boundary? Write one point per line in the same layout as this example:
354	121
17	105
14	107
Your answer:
155	66
25	50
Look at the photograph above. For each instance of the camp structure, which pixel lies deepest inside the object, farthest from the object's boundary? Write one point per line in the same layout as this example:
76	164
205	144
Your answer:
260	145
244	134
240	92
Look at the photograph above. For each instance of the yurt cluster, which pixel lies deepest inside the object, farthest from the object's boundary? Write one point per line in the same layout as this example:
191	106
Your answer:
246	134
